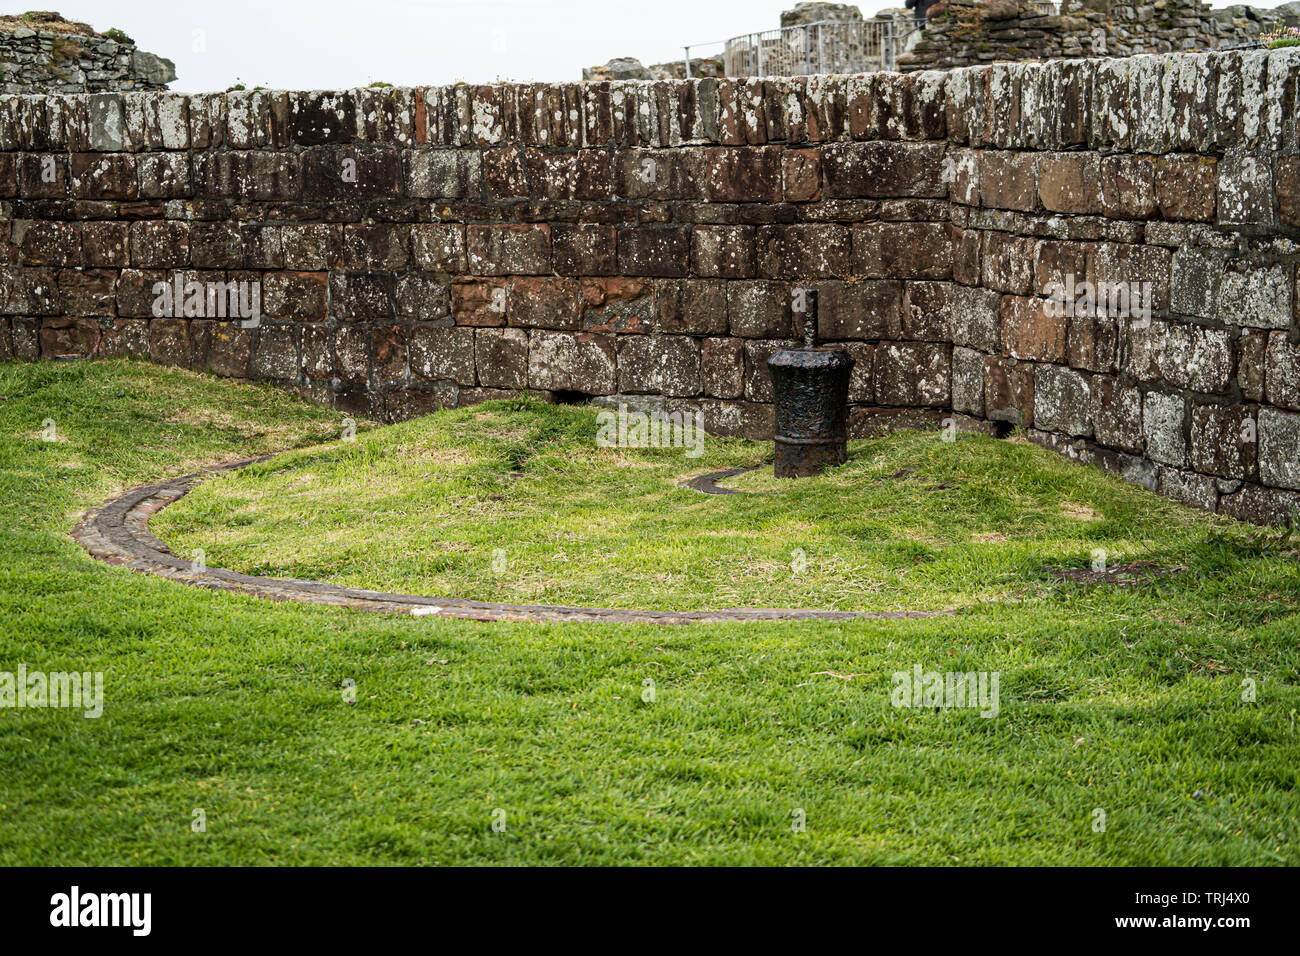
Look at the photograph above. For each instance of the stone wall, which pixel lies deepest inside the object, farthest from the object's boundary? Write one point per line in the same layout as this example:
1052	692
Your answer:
419	249
970	32
43	53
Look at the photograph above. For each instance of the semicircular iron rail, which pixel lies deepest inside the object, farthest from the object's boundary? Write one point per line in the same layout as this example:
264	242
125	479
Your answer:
118	533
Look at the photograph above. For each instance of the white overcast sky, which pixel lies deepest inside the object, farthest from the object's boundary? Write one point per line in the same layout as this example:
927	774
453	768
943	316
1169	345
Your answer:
333	44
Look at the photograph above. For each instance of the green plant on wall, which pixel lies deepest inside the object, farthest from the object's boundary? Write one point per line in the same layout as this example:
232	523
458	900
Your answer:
118	36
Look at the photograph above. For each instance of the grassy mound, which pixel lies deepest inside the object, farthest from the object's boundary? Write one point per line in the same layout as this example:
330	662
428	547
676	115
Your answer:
515	502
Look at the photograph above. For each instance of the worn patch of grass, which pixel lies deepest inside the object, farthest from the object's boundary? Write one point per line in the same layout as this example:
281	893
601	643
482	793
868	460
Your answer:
1124	699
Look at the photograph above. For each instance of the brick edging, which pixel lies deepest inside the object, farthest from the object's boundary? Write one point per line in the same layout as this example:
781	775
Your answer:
118	533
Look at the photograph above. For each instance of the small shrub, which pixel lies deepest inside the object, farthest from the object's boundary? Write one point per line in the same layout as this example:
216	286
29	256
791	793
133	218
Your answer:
379	83
118	36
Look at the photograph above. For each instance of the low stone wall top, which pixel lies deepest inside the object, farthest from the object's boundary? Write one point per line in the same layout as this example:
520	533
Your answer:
647	242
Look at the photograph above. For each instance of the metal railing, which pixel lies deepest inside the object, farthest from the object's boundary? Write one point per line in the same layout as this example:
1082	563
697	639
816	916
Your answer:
828	46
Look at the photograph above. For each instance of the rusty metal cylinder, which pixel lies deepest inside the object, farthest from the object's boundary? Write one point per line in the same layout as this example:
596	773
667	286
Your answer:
812	409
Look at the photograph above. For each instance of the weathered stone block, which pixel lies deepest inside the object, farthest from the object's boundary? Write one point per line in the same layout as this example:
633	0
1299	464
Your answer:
501	357
882	169
160	244
654	251
390	354
967	381
68	337
164	175
444	353
725	251
913	373
89	291
1128	187
1185	187
1069	183
567	361
902	250
52	244
320	118
439	247
804	251
216	245
1192	489
1092	343
294	295
1031	329
1279	448
747	174
1223	441
722	367
1254	294
359	295
1282	371
352	353
376	247
1180	355
1162	427
1116	414
509	249
545	302
759	310
443	174
1260	505
276	356
224	348
586	249
1062	400
928	310
617	305
103	176
1008	391
1007	263
693	306
1245	191
106	244
801	175
1008	180
356	174
660	364
425	296
1288	190
314	247
169	342
660	174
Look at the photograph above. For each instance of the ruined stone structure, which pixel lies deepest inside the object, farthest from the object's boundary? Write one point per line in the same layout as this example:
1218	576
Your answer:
43	53
969	32
418	249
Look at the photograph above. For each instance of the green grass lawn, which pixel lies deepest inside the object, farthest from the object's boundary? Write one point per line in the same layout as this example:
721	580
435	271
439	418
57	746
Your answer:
1126	699
514	502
